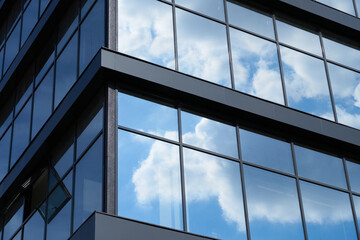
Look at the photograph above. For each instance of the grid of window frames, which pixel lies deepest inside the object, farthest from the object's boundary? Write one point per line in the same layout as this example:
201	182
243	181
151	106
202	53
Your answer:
189	172
79	35
56	201
17	27
351	7
250	51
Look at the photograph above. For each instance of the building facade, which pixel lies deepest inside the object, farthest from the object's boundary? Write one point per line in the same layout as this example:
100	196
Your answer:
179	119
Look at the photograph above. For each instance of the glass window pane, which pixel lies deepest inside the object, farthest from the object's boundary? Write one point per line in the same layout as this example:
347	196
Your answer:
57	200
42	103
44	61
327	212
12	46
202	48
266	151
67	25
320	167
357	207
212	8
342	54
343	5
63	153
353	170
273	205
59	227
1	60
146	34
88	184
250	20
149	180
147	116
306	84
213	196
6	116
346	90
85	6
30	18
298	38
4	153
43	5
209	134
256	66
66	70
18	236
92	34
34	228
24	90
13	219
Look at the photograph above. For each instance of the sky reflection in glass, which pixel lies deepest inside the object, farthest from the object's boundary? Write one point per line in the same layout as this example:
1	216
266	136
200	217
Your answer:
306	84
13	221
147	116
146	34
273	205
343	5
213	8
256	66
149	180
213	196
34	228
202	48
346	90
320	167
327	212
353	170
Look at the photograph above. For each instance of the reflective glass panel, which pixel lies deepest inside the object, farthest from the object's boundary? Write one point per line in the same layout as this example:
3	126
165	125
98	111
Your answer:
346	90
88	184
343	5
320	167
306	84
24	90
12	46
256	66
298	38
147	116
43	65
18	236
30	18
273	205
67	25
266	151
149	180
42	103
213	8
57	199
327	212
202	48
63	154
213	196
342	54
4	153
146	34
358	7
35	227
1	60
209	134
43	5
85	6
250	20
59	227
13	220
356	200
353	170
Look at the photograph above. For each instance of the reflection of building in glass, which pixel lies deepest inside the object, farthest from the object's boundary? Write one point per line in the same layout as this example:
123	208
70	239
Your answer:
179	119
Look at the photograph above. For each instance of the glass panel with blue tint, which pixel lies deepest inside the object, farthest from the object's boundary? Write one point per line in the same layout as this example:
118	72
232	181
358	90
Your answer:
356	200
42	103
358	7
320	167
298	38
212	8
343	5
12	46
30	18
1	61
88	184
256	66
147	116
67	25
346	90
328	213
306	84
149	180
18	236
5	153
85	6
44	62
6	116
21	133
43	5
13	219
63	153
266	151
92	36
35	227
353	170
250	20
209	134
57	200
146	34
24	90
213	193
202	48
342	54
273	205
66	70
59	227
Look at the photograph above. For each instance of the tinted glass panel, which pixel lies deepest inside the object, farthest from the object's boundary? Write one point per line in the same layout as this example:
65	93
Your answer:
30	18
59	227
63	155
58	198
202	48
1	60
266	151
4	153
256	66
12	46
67	25
213	8
18	236
85	6
14	219
147	116
306	83
149	180
320	167
250	20
353	170
343	5
327	212
357	207
273	205
146	34
208	134
24	90
213	196
43	65
43	5
34	228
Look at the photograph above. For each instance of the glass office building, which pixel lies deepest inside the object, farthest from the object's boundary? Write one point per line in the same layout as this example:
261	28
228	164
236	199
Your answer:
179	119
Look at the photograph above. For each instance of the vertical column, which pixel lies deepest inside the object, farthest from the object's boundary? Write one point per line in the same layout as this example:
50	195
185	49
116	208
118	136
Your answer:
111	24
